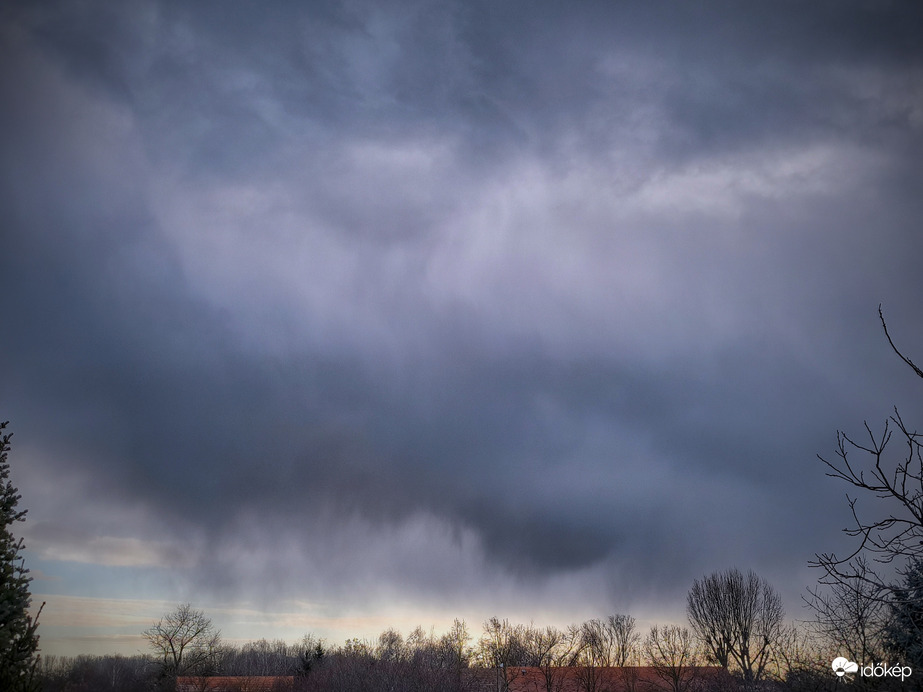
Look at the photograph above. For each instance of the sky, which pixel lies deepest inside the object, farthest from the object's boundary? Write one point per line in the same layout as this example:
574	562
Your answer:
333	316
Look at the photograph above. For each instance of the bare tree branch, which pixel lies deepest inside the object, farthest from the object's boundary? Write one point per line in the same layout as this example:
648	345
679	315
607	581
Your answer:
901	355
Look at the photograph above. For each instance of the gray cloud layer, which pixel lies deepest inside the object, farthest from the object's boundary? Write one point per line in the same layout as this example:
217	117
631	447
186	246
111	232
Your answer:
585	288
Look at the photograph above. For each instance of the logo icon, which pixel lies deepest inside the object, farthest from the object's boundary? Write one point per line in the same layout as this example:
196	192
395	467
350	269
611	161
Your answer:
841	666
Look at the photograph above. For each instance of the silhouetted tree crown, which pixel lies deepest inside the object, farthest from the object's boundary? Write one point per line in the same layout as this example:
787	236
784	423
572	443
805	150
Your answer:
738	618
186	642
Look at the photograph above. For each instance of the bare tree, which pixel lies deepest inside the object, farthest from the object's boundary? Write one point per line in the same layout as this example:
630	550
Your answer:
851	588
589	677
623	639
390	646
594	648
261	658
586	652
900	533
738	618
671	651
419	662
850	615
186	641
898	480
603	644
503	648
112	673
801	660
453	647
551	650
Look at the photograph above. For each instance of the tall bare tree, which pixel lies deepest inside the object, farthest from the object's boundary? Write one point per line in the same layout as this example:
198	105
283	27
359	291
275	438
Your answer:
503	647
738	618
671	651
453	645
186	641
552	650
623	639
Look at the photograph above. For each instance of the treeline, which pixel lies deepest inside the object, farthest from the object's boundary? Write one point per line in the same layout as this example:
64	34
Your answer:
420	661
784	657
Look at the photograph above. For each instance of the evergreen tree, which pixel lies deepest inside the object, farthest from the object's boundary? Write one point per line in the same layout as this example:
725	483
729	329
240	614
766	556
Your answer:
904	631
18	640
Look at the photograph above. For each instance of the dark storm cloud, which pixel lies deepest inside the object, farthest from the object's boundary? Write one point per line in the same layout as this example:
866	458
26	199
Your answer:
583	283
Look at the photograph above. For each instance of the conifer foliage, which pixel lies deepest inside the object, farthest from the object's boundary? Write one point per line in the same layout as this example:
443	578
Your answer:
18	638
